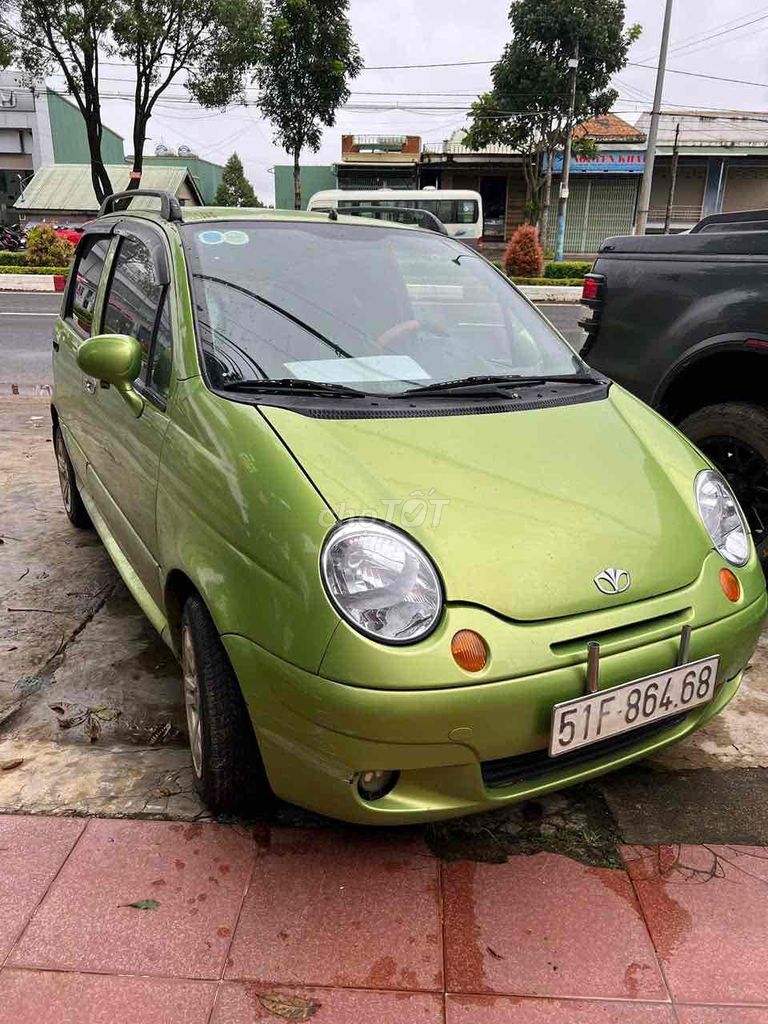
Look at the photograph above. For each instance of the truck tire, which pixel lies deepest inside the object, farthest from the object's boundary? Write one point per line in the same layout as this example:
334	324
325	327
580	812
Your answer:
70	495
227	767
734	435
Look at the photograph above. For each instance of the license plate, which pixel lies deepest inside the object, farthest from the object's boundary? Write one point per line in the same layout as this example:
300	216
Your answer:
598	716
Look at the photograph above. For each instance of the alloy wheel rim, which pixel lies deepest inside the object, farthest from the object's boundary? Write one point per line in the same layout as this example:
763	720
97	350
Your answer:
192	700
63	469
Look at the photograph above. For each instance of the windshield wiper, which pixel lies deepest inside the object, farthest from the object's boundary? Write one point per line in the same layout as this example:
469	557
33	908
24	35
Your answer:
492	382
286	385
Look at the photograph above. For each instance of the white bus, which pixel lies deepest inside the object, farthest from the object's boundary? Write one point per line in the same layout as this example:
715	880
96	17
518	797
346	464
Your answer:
460	210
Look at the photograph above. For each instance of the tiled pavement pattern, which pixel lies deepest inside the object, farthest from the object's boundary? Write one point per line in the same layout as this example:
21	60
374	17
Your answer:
342	926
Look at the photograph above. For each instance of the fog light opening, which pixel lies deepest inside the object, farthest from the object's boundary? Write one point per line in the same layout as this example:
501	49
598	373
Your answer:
376	783
729	581
469	650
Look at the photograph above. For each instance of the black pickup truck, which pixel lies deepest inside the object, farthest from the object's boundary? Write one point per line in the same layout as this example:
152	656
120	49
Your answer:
682	321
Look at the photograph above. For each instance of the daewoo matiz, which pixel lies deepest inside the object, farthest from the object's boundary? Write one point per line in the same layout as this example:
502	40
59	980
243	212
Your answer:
415	557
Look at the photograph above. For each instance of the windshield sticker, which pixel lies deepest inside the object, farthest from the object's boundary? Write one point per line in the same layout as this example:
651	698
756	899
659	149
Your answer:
236	237
359	371
211	237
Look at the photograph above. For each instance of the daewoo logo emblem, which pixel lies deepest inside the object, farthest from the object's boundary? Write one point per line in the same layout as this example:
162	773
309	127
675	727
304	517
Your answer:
613	581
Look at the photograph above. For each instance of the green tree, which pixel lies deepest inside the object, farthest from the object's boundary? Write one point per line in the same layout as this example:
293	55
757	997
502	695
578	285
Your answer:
235	189
307	60
527	107
215	42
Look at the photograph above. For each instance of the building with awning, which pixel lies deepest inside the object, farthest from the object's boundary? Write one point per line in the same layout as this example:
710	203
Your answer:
63	193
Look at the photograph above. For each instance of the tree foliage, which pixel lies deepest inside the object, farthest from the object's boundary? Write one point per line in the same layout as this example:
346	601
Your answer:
215	42
46	249
235	189
307	60
527	108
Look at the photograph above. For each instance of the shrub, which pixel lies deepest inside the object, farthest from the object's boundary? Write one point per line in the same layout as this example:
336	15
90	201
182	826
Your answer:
561	282
558	270
12	259
46	249
524	256
34	270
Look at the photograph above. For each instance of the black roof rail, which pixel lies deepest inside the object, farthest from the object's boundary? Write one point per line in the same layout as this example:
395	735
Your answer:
423	218
170	207
741	220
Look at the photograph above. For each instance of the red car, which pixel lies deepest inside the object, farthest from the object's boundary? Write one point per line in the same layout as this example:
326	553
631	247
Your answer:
72	235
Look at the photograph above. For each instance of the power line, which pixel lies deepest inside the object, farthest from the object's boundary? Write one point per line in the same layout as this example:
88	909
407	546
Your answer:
700	74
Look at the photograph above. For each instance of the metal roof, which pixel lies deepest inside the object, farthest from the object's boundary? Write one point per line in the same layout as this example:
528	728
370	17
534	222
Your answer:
67	187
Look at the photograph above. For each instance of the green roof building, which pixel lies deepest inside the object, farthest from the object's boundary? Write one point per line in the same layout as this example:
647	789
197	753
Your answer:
313	179
206	175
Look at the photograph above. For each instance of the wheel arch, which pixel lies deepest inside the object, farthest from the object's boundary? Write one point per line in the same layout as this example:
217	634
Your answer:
179	587
719	370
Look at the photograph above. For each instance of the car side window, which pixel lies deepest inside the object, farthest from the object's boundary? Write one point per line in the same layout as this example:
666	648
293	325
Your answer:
137	304
88	269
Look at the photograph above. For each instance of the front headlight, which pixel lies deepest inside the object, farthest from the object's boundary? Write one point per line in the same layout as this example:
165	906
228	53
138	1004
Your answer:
722	517
381	582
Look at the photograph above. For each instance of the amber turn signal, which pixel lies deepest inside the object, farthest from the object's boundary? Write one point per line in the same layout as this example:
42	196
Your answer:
730	584
469	650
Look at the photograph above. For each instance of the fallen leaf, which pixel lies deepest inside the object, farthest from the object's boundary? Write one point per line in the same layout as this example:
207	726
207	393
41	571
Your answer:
289	1007
7	766
142	905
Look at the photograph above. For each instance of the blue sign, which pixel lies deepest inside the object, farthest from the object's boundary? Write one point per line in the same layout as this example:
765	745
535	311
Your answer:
606	162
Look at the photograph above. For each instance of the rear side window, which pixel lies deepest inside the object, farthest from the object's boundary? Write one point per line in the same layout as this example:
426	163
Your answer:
135	300
88	269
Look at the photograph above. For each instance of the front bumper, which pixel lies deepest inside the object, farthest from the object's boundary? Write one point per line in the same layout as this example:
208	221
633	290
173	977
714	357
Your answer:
316	734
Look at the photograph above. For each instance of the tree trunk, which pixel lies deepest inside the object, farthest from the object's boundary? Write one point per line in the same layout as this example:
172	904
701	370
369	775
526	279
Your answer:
544	222
296	180
102	186
140	120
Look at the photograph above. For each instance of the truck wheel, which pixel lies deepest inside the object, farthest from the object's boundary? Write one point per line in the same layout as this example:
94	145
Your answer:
734	436
228	770
70	495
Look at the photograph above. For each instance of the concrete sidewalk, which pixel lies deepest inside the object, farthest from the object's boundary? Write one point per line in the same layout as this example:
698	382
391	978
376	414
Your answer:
122	922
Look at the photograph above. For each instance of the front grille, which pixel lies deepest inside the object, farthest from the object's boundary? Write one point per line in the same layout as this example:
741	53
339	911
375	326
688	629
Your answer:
506	771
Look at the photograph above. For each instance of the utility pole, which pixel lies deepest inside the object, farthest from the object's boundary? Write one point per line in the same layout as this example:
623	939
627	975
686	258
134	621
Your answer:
653	130
672	180
562	202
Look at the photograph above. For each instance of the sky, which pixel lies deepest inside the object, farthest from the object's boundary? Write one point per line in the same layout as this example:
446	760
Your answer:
709	38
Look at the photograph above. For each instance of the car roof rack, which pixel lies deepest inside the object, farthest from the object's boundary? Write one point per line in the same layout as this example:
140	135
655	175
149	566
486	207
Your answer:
423	218
170	207
742	220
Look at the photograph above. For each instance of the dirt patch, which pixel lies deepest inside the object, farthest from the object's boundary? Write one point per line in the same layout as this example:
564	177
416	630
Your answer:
576	823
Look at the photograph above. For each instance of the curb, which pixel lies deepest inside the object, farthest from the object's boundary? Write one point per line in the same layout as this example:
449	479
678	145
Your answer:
32	282
550	293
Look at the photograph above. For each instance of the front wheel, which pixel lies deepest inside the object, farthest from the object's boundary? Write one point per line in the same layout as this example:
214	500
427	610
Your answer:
70	495
228	771
734	435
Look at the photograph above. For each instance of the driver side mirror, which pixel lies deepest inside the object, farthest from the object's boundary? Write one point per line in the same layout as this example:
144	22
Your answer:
115	358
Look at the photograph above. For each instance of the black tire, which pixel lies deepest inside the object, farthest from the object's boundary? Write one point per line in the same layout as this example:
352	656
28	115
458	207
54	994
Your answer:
226	764
734	435
70	495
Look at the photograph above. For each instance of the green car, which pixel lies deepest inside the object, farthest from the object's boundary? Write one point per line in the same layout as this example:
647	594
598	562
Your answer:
416	559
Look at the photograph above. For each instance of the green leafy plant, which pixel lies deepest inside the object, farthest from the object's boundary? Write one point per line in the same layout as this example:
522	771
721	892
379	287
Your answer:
13	259
235	189
564	269
46	249
34	270
306	63
524	256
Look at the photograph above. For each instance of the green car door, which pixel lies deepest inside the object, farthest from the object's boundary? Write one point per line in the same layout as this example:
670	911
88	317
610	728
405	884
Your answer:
124	450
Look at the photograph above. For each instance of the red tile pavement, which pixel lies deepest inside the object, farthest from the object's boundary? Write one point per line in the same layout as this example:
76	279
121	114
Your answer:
346	909
244	1002
707	911
517	1010
197	874
30	997
32	850
351	924
546	926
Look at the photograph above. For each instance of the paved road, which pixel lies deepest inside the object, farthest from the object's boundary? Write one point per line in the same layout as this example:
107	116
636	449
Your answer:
26	325
26	322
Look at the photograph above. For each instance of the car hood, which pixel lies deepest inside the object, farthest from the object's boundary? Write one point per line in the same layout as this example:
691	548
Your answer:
520	510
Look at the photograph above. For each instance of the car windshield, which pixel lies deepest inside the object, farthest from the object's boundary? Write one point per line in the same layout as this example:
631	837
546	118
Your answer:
377	310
